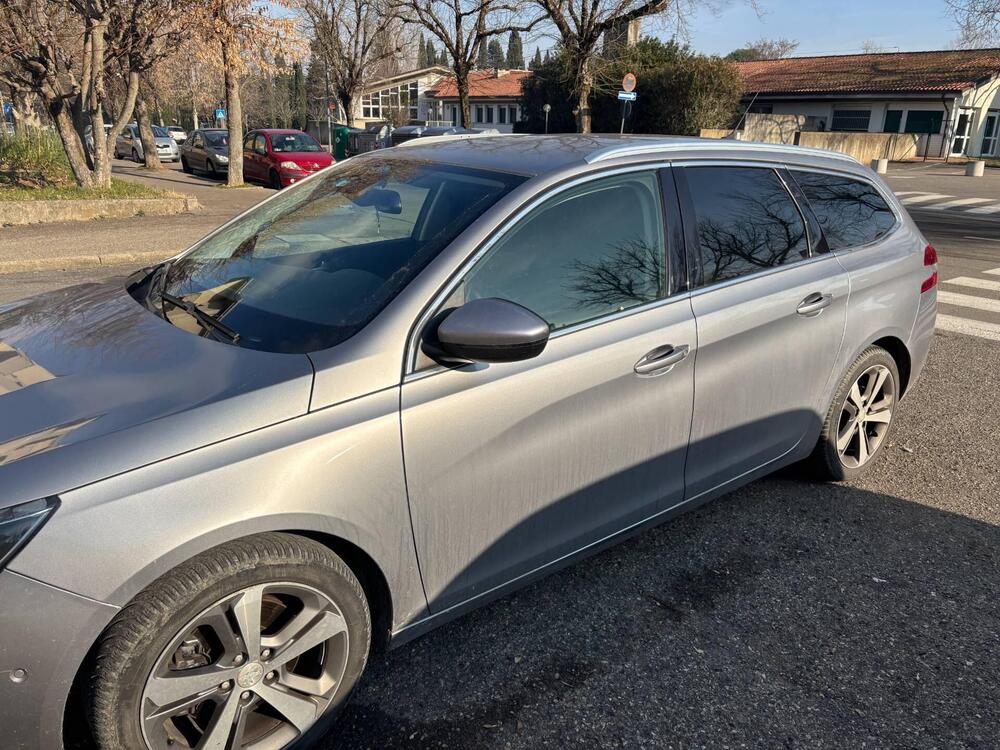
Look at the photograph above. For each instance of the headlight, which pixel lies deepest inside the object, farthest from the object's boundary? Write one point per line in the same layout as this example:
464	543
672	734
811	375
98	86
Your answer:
222	159
19	523
290	165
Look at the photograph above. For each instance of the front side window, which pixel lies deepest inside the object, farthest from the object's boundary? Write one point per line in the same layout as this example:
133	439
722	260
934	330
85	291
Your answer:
747	221
260	144
591	251
311	267
851	211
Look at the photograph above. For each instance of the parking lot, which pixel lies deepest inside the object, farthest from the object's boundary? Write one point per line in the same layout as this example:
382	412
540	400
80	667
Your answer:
784	614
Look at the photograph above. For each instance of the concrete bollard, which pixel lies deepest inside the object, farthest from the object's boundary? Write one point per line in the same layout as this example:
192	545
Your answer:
975	169
881	166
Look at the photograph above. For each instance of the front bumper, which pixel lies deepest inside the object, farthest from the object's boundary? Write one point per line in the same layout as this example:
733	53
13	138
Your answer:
45	634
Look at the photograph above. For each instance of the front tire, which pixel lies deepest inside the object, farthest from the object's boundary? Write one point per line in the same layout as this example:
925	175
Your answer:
260	640
275	180
135	156
859	421
185	167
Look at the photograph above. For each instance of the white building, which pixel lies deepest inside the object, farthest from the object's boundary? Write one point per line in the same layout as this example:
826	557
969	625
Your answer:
494	97
949	97
406	92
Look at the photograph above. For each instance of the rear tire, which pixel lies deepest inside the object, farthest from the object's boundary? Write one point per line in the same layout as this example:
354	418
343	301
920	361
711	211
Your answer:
859	421
282	590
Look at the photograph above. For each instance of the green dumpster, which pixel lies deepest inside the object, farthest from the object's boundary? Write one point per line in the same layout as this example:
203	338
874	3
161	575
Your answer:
340	142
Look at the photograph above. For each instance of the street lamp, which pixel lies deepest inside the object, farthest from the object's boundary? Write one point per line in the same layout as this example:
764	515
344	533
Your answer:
546	108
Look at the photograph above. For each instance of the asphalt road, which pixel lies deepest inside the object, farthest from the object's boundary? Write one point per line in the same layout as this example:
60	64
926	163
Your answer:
786	614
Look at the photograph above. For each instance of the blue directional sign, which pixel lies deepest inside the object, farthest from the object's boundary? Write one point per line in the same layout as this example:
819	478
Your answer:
220	114
8	107
627	96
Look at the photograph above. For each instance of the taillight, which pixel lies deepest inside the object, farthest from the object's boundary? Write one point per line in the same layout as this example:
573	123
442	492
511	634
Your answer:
930	259
930	256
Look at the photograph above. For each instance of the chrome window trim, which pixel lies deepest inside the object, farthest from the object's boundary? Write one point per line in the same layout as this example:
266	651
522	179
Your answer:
890	200
760	274
413	344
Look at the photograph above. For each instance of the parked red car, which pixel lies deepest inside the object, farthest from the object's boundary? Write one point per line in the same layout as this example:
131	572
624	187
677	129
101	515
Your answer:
280	158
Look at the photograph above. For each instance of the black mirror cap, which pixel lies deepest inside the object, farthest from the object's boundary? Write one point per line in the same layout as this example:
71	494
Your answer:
489	330
385	201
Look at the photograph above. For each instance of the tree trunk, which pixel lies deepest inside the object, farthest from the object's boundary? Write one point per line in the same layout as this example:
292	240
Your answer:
234	116
586	85
149	157
75	154
102	159
462	82
25	116
348	103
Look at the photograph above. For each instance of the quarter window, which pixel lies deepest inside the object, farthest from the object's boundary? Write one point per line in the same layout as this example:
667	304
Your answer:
592	251
851	212
747	221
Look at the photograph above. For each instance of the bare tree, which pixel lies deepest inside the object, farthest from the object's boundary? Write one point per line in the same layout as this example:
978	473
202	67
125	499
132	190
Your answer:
764	49
978	22
465	26
581	24
871	47
355	38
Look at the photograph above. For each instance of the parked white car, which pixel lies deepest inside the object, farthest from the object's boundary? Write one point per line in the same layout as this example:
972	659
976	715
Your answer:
129	145
177	133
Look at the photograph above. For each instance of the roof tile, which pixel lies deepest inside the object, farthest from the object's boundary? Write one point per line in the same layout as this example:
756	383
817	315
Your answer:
485	84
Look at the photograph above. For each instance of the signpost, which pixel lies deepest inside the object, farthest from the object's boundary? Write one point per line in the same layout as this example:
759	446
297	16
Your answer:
626	96
546	108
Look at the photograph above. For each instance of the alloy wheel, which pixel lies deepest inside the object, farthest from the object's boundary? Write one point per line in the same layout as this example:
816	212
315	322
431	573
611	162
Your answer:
865	416
254	670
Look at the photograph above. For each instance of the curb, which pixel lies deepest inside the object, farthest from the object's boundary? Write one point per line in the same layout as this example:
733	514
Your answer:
72	262
20	213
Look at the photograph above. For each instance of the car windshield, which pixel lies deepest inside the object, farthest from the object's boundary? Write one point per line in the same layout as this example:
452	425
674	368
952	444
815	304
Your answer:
311	267
160	132
290	143
217	139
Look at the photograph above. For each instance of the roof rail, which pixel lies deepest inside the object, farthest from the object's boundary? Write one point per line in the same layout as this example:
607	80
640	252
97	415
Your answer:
660	147
423	140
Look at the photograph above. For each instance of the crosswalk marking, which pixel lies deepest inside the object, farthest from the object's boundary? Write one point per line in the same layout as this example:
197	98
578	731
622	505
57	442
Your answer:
969	327
924	198
958	203
975	283
967	300
993	272
993	209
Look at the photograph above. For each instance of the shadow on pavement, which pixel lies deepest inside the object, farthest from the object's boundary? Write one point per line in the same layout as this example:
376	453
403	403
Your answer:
785	614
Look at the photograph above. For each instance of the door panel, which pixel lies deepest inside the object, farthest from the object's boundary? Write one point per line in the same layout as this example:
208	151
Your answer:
510	466
763	370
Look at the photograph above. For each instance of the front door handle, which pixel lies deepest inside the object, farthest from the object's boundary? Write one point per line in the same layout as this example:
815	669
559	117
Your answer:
814	304
661	360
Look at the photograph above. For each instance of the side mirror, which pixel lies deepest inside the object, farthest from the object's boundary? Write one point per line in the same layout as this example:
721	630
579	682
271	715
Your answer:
487	330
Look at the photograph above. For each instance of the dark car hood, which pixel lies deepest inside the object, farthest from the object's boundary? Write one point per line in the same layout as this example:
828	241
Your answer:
93	384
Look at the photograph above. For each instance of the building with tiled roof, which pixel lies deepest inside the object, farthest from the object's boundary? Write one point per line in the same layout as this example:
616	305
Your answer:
951	98
493	94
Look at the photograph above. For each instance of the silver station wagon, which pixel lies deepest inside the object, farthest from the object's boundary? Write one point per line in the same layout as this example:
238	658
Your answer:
400	389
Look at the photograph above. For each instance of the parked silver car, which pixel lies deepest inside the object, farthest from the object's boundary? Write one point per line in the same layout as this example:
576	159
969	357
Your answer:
491	355
128	145
207	151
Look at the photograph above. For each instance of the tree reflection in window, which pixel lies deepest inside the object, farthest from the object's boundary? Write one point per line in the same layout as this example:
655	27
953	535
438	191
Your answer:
591	251
747	221
851	212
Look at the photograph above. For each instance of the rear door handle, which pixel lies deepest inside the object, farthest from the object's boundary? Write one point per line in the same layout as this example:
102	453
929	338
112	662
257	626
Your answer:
814	304
661	360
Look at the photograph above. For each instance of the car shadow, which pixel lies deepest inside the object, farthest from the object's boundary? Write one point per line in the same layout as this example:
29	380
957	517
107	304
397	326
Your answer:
786	613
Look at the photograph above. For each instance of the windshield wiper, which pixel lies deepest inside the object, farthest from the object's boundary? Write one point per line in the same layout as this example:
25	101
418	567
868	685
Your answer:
205	320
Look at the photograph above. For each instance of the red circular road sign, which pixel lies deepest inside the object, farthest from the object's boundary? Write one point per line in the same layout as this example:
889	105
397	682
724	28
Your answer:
628	82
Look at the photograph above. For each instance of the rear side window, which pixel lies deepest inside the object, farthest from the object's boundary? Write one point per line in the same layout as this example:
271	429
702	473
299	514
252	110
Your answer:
747	221
851	212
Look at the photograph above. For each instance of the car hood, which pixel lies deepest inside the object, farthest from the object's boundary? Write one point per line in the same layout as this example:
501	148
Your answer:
92	384
309	160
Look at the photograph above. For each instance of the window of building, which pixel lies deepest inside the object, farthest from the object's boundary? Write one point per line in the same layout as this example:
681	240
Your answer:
925	121
502	115
893	119
851	212
489	114
591	251
856	120
747	221
513	113
380	104
479	114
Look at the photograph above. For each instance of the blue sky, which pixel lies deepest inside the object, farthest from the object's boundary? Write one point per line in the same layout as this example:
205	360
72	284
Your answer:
825	26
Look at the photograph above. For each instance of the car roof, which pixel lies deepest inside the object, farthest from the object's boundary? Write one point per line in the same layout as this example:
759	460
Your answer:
535	155
277	131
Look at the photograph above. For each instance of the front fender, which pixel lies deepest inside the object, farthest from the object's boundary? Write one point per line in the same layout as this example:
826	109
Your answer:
337	471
